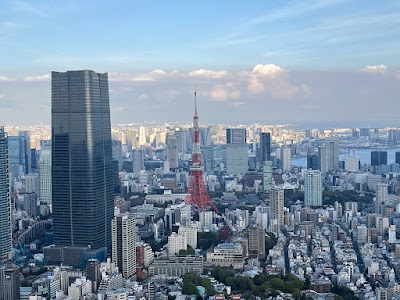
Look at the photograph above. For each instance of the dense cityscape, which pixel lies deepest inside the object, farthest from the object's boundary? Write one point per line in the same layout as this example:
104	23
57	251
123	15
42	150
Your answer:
161	211
199	150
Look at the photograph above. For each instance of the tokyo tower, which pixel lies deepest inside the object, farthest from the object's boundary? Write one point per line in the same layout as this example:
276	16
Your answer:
198	195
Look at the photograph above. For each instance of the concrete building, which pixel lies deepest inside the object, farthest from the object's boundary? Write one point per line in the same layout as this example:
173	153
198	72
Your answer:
236	151
381	198
276	203
332	152
286	159
191	235
257	242
176	243
9	282
124	238
227	255
142	136
312	188
177	266
352	164
172	151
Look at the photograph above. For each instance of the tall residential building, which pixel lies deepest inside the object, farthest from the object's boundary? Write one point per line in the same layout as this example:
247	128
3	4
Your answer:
5	201
267	176
257	242
45	190
124	238
312	188
142	136
137	160
378	158
265	147
381	197
82	170
9	282
236	151
172	151
397	158
286	159
332	152
323	160
276	203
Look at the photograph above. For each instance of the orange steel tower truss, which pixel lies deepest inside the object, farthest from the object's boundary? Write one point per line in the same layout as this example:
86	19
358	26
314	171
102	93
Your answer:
198	195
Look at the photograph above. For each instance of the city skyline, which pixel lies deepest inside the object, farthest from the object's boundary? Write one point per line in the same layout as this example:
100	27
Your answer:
314	62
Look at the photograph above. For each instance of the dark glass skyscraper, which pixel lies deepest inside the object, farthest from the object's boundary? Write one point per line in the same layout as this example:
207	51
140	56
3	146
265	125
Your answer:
378	158
5	203
265	147
82	183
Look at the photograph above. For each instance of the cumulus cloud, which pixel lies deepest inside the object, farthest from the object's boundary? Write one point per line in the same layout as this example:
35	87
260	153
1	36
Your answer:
158	72
275	81
375	69
208	73
267	70
44	77
223	92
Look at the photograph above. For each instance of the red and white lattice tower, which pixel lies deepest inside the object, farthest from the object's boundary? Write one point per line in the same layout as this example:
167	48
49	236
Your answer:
198	195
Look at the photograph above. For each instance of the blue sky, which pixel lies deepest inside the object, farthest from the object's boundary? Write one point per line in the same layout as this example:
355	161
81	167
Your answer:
305	48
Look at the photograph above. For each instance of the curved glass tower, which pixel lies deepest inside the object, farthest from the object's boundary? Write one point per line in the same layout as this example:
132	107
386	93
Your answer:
82	184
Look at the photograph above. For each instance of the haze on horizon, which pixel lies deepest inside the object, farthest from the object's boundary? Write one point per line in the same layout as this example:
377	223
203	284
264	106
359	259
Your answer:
310	62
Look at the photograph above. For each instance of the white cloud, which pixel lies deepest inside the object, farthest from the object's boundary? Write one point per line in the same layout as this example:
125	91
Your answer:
44	77
267	70
158	72
4	78
375	69
208	73
222	92
275	81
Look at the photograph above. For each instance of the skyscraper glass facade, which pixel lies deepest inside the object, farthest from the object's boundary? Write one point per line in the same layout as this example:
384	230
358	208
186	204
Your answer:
82	183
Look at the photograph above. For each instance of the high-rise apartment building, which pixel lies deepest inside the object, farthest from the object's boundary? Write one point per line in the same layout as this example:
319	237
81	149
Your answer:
124	238
332	152
82	170
142	136
137	160
265	147
312	188
172	151
176	243
378	158
381	197
5	201
276	203
236	151
286	159
45	195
